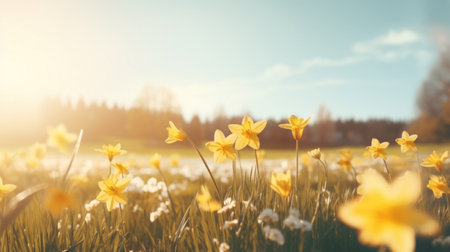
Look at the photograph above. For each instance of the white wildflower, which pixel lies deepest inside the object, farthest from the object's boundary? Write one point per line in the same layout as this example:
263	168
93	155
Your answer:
154	215
87	218
305	225
89	206
292	222
228	204
294	212
230	224
267	216
224	247
273	234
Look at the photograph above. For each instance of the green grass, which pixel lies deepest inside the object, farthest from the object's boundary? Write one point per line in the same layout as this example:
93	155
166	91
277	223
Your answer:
186	227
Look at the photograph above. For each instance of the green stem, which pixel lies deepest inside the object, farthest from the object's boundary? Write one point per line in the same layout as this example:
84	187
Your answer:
172	205
207	168
257	165
122	224
296	165
387	171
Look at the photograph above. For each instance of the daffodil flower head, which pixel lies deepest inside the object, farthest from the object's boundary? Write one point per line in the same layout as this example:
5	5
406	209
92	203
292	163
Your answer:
296	125
175	160
121	168
5	188
281	183
222	146
406	142
345	160
206	202
39	150
155	161
59	137
111	151
175	134
384	214
58	200
436	161
247	133
377	149
315	153
438	185
112	191
6	158
260	156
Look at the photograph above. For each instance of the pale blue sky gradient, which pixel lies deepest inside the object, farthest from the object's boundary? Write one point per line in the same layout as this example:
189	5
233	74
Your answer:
360	59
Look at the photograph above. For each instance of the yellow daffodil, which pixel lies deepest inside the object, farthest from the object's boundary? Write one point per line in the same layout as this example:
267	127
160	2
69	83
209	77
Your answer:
281	183
206	202
305	159
155	161
435	161
58	200
260	156
59	137
406	142
111	151
32	162
39	150
385	215
315	153
377	149
5	188
175	160
296	125
345	160
438	185
78	179
175	134
6	158
247	133
121	168
112	191
222	146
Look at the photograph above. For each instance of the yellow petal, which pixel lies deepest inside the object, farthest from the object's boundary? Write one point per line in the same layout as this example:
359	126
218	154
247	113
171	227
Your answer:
259	126
285	126
219	136
235	128
375	142
123	183
253	142
247	119
241	142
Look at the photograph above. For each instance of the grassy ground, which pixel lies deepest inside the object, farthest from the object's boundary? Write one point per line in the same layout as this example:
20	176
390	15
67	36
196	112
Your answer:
185	227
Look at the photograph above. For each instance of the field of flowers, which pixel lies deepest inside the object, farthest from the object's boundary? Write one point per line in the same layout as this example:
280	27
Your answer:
54	199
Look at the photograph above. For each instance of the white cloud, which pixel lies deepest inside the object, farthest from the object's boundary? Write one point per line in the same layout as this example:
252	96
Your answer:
390	46
195	95
280	71
317	84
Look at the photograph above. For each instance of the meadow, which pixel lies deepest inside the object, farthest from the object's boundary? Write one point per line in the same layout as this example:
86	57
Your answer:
228	195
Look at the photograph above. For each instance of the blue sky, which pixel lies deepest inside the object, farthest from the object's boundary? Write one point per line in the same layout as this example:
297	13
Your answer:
360	59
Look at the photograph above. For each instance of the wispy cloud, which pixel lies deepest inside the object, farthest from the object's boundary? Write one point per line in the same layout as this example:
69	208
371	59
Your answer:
280	71
388	47
318	84
394	45
391	46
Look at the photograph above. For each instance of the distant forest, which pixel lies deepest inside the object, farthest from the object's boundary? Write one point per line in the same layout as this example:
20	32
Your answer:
153	109
101	122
